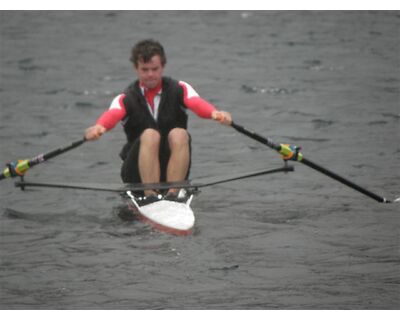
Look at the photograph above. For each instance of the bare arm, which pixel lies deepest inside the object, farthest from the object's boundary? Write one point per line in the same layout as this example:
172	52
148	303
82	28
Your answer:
108	119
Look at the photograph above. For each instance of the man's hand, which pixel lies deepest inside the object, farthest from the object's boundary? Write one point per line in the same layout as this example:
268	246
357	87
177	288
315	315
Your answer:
222	117
94	132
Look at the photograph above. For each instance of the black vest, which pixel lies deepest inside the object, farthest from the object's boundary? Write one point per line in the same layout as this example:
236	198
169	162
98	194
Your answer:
171	112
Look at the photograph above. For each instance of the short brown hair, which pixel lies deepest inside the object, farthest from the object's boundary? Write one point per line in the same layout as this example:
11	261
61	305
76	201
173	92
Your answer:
145	50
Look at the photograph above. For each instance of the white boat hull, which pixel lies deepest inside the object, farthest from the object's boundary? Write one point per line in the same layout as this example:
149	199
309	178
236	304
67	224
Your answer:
167	216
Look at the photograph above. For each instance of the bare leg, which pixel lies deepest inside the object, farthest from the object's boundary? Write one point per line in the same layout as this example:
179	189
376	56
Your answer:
179	160
149	162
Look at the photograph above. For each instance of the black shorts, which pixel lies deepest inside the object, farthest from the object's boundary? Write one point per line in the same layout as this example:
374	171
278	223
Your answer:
130	166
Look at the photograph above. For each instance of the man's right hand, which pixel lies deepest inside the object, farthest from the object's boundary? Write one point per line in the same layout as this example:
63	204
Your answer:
222	117
94	132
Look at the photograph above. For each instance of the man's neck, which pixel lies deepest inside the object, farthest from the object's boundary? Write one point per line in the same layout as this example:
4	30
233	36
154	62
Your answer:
156	89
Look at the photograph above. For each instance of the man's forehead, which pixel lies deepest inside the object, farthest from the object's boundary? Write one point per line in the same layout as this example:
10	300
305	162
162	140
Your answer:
154	59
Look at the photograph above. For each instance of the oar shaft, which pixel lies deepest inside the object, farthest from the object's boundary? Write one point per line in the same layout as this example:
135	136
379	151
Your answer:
256	136
277	147
24	165
343	180
43	157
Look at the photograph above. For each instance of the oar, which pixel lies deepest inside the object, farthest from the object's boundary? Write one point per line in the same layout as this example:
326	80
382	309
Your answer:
19	167
286	151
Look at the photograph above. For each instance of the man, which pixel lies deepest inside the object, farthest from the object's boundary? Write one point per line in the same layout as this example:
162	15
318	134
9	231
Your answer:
153	113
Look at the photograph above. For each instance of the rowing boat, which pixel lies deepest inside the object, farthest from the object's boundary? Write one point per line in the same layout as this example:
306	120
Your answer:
176	217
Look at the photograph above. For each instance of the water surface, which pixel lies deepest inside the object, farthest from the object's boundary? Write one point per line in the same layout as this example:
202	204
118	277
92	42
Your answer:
328	81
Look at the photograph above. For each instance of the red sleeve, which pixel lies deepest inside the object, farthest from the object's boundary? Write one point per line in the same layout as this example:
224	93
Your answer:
194	102
114	114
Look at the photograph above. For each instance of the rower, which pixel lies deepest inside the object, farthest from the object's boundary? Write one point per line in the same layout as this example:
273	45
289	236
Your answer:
152	110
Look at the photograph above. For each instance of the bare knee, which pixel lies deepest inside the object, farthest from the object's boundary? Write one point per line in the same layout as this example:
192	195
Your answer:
150	137
177	138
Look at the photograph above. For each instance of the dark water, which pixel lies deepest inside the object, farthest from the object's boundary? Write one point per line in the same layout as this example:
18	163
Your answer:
328	81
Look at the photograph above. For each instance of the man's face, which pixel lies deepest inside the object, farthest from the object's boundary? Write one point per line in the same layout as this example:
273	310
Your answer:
150	73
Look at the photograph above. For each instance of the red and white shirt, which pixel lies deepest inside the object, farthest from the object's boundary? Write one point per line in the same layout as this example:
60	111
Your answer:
191	100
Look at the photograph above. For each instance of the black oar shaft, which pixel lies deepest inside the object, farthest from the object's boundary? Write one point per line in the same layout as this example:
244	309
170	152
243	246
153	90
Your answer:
343	180
43	157
256	136
310	164
26	164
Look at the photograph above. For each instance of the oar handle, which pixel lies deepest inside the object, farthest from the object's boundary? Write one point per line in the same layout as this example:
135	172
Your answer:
23	165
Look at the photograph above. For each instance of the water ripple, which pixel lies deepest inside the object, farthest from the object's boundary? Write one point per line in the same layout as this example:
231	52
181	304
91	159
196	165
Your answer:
275	91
